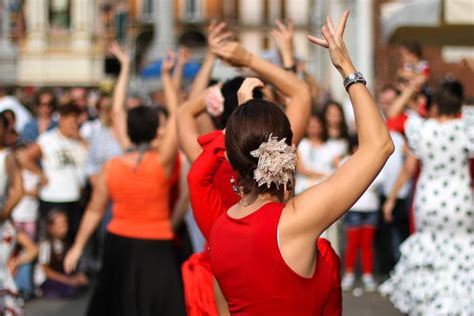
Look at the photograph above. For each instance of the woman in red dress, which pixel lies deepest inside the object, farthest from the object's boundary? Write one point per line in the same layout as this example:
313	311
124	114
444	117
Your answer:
262	249
197	274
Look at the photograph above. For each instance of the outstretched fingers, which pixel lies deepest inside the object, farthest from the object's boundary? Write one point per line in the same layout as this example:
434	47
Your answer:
223	36
329	25
342	24
328	36
291	26
318	41
217	29
281	27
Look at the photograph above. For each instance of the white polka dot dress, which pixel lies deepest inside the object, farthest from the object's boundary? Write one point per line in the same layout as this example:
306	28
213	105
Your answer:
10	302
435	274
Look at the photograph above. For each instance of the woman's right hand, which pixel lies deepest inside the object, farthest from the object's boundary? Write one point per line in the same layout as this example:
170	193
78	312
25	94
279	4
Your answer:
71	259
388	207
234	53
217	35
245	92
334	41
119	53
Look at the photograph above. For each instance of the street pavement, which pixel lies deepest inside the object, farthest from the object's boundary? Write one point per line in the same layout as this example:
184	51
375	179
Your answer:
365	305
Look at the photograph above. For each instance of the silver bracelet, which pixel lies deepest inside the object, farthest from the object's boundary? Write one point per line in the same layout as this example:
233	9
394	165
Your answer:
355	77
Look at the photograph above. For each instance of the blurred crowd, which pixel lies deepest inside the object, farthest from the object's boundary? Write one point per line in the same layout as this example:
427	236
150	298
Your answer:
54	142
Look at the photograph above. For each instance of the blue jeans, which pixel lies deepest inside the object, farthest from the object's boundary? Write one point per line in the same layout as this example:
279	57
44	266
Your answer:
358	219
24	278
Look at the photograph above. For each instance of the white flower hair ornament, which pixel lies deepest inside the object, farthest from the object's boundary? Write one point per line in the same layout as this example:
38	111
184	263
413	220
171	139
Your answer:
276	162
214	101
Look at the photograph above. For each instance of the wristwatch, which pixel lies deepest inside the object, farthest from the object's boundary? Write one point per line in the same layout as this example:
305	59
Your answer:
355	77
291	68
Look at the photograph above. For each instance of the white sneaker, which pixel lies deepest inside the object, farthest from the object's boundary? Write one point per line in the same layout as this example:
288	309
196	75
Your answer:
348	281
369	283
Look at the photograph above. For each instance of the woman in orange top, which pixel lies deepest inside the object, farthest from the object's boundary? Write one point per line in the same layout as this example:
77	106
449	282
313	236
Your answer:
140	275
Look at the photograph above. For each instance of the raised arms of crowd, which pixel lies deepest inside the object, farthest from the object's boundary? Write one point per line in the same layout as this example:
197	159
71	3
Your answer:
298	106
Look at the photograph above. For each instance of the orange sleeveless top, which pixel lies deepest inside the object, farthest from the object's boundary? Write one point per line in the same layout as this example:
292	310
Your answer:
140	198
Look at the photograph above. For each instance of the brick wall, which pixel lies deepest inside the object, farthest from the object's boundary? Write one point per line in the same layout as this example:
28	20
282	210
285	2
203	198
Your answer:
388	60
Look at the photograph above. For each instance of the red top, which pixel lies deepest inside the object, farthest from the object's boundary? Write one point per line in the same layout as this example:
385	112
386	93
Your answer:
397	123
211	194
254	277
210	190
140	197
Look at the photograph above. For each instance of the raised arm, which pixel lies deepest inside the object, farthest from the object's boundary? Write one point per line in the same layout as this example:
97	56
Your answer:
217	33
188	131
206	200
182	205
283	36
168	147
298	107
181	60
15	187
119	122
401	102
310	213
92	216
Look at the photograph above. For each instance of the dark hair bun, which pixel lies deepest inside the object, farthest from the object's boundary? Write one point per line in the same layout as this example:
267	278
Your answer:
248	127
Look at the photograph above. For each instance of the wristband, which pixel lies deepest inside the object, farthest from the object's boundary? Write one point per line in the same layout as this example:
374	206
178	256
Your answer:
290	68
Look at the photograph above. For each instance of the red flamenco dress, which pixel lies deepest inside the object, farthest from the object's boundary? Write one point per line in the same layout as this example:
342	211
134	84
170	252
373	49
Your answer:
211	196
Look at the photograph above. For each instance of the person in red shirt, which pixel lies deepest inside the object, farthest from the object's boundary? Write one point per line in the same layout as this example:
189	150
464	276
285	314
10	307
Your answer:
412	60
263	249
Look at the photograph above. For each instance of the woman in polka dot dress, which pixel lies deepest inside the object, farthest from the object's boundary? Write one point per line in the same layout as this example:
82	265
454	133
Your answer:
435	274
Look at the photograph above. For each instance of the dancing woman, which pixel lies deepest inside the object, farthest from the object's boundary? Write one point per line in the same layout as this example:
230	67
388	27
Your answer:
435	273
196	271
139	274
262	250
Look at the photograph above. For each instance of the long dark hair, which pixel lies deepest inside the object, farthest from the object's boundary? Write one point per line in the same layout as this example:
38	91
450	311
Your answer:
344	130
320	117
248	127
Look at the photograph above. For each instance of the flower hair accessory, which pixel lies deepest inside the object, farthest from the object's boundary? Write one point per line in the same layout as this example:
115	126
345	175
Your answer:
276	162
214	101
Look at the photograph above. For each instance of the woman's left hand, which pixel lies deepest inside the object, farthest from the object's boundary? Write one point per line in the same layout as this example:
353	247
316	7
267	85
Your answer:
234	53
245	92
333	40
168	62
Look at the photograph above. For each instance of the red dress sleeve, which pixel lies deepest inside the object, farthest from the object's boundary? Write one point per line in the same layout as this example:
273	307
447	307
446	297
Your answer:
206	200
